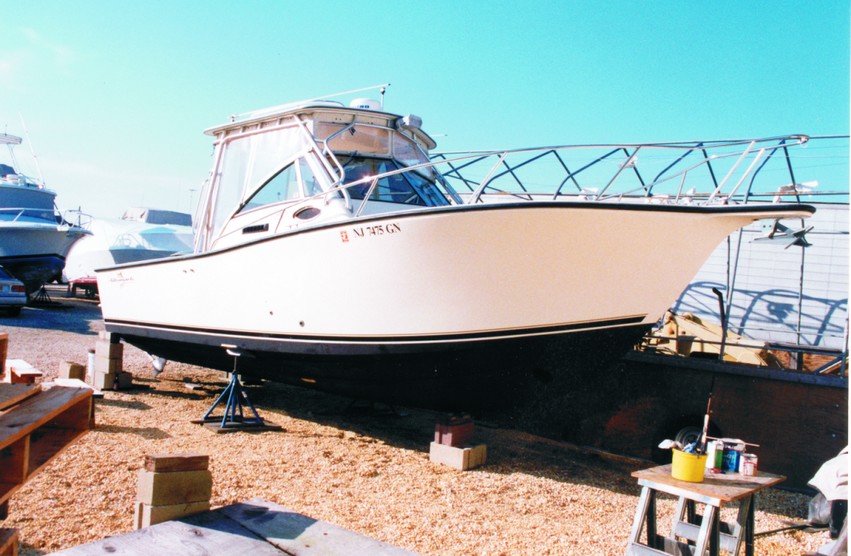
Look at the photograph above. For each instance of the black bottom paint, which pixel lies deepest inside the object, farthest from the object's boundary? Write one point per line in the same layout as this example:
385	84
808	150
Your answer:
475	375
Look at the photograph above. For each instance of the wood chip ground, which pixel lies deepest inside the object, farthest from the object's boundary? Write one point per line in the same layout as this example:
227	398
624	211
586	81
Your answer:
358	467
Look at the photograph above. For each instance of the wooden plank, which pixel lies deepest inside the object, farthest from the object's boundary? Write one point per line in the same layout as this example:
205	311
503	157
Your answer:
8	542
298	534
210	533
4	347
13	467
19	371
164	463
37	411
725	487
46	443
36	430
12	394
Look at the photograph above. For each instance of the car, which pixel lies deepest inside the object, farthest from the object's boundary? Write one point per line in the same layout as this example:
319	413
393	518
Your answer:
13	294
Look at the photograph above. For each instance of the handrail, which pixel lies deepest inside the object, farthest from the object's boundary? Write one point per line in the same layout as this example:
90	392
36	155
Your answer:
757	153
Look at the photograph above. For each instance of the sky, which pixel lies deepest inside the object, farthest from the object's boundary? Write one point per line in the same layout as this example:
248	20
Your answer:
113	97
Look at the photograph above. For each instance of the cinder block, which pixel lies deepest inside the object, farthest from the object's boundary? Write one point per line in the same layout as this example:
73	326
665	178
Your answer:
165	463
105	336
69	369
125	380
104	381
461	458
109	350
179	487
146	515
107	365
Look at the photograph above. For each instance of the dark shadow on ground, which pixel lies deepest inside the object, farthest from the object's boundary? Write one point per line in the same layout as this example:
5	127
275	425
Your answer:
63	313
150	433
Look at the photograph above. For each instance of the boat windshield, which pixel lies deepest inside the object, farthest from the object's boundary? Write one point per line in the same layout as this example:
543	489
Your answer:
409	188
294	181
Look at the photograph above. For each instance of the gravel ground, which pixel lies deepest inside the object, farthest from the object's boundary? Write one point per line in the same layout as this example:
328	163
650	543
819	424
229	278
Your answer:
358	467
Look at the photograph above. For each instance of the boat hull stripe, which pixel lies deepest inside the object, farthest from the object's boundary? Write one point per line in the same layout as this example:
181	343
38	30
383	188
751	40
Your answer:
399	340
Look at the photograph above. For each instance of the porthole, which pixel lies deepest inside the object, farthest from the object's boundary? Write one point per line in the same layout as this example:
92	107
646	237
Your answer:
307	213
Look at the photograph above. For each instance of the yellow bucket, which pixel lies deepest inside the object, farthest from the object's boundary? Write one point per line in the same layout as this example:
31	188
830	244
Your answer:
688	467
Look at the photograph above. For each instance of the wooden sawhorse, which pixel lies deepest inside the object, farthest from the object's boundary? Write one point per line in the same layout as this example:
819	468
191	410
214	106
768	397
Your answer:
716	490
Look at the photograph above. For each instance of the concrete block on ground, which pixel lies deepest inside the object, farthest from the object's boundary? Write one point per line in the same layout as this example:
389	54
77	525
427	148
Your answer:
125	380
104	381
107	365
179	487
146	515
105	348
458	457
70	369
106	336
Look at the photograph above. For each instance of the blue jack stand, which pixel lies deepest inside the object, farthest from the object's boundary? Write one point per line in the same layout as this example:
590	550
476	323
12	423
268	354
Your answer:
234	417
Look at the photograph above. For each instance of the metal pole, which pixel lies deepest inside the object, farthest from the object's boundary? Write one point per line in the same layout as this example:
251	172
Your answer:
720	296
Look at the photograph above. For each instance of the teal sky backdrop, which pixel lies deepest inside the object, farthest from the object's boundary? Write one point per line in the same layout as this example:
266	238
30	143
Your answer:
115	95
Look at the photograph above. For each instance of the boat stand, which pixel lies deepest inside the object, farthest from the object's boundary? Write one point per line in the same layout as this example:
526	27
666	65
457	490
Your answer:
239	413
42	299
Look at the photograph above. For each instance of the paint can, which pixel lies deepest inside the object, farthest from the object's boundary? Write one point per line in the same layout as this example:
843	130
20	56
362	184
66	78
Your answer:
710	454
750	463
732	455
719	455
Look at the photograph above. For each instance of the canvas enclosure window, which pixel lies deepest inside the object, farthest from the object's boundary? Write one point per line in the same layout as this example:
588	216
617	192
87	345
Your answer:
246	163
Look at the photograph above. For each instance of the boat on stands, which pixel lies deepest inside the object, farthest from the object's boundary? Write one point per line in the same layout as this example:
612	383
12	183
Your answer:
335	250
34	236
140	234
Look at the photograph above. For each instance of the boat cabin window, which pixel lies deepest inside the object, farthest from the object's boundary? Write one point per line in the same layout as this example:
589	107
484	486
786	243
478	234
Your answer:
295	181
282	187
246	161
409	188
376	141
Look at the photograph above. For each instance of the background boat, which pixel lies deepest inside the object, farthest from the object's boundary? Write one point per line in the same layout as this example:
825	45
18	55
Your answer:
34	237
140	234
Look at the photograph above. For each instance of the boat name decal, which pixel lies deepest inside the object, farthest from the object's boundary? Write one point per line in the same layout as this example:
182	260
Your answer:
370	231
121	278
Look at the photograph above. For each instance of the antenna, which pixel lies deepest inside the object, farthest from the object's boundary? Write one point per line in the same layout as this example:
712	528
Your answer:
272	109
32	150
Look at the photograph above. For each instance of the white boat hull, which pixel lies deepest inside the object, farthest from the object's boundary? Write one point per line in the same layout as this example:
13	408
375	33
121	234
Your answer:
35	252
400	301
